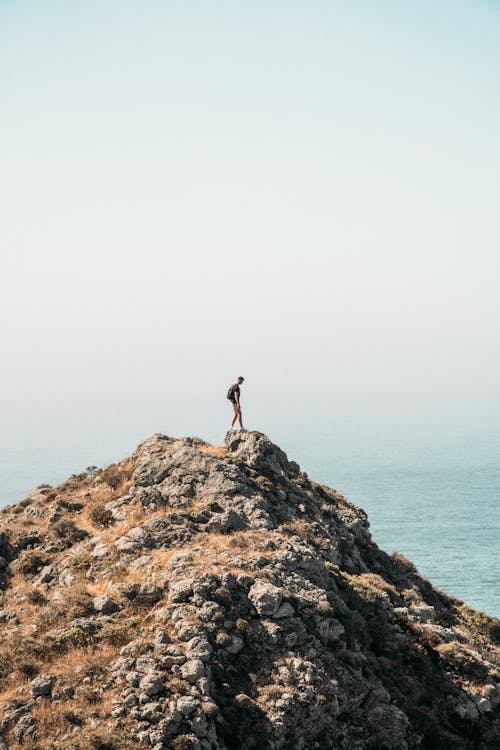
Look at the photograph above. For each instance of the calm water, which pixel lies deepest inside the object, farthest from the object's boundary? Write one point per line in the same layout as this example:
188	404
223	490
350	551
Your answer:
433	498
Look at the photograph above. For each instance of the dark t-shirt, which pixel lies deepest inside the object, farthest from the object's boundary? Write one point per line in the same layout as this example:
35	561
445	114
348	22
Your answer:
236	390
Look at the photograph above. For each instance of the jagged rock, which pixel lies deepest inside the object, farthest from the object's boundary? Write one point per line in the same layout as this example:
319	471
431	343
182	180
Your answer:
186	705
126	545
235	644
67	578
147	595
7	615
161	638
284	610
180	591
228	521
199	725
12	716
198	648
133	678
25	729
105	605
246	606
46	574
140	562
42	685
192	670
100	551
152	684
265	597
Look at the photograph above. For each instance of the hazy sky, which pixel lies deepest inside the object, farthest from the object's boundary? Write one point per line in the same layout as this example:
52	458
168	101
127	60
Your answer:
306	193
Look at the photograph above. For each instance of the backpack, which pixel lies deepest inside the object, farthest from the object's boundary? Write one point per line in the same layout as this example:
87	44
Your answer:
230	393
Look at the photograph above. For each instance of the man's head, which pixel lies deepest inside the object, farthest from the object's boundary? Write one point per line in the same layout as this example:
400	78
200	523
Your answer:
240	380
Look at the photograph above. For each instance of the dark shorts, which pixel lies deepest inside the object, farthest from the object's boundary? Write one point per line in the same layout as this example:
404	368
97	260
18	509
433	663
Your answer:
235	405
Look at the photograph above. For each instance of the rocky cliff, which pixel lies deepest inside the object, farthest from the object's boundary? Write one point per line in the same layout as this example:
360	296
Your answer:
195	597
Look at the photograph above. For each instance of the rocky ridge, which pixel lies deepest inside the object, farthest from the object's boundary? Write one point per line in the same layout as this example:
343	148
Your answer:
213	598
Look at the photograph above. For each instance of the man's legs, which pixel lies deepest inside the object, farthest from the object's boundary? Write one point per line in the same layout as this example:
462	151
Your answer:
236	416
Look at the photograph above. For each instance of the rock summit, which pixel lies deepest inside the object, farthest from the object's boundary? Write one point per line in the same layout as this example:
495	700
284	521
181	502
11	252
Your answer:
194	597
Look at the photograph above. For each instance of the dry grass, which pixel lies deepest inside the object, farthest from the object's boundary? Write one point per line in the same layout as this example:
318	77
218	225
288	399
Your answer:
219	451
135	516
34	645
212	552
73	662
55	722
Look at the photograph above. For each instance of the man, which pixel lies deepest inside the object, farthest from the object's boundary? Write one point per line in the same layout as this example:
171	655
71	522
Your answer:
233	395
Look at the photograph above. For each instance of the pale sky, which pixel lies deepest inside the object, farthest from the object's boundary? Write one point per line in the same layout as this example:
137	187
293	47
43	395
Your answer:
304	193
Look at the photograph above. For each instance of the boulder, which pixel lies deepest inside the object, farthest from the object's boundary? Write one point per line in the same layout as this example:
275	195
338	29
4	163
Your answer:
198	647
152	684
192	670
265	597
186	704
42	685
105	605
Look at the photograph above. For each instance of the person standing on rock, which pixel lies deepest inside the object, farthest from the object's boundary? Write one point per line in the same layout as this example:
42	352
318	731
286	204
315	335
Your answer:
233	395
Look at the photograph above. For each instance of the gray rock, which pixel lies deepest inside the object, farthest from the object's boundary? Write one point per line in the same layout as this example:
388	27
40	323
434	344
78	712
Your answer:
145	664
133	678
186	631
147	595
25	729
126	545
422	613
192	670
8	615
265	597
199	725
152	684
181	591
284	610
228	521
273	604
198	647
186	704
235	644
67	578
151	712
137	534
42	685
10	717
46	574
161	638
130	700
105	605
99	552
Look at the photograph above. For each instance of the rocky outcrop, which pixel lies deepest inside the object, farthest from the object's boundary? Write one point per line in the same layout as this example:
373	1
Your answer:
217	598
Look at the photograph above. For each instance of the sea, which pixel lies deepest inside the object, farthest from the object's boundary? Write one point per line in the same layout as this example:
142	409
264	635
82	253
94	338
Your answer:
430	495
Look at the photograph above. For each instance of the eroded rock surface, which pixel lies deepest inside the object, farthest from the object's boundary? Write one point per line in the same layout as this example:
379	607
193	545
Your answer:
218	598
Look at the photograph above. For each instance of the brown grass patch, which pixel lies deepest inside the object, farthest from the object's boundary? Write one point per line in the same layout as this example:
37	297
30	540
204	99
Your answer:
219	451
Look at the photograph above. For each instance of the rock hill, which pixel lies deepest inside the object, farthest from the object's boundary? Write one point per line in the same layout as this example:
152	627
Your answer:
206	598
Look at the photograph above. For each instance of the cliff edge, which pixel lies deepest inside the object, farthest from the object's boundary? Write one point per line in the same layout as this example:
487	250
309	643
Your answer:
195	597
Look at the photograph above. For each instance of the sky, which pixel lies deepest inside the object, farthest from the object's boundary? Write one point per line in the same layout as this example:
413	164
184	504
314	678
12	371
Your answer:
303	193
